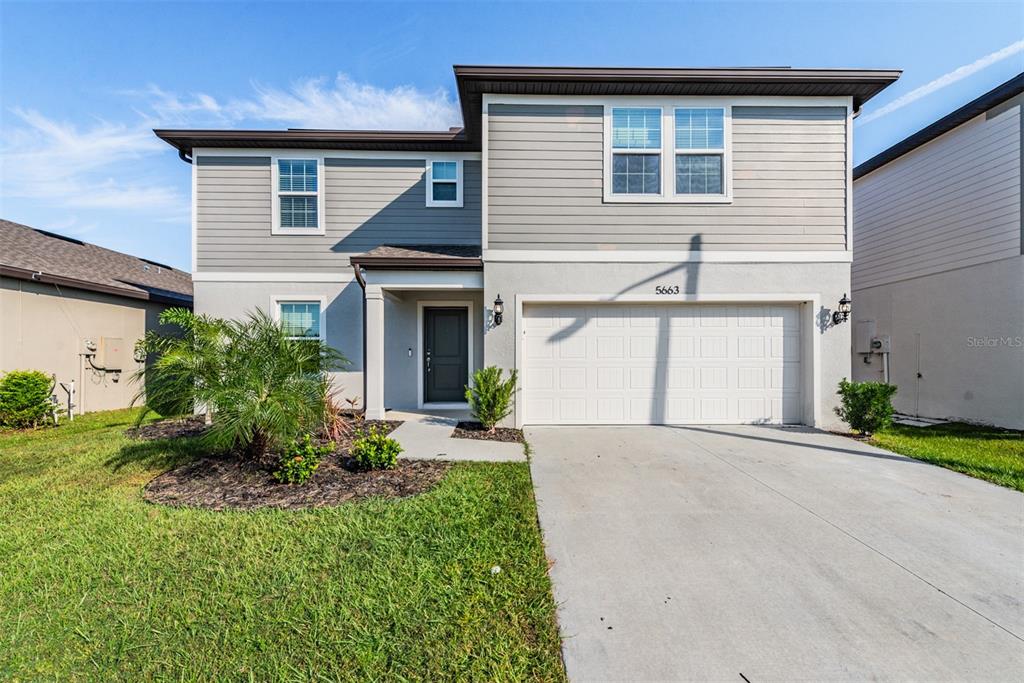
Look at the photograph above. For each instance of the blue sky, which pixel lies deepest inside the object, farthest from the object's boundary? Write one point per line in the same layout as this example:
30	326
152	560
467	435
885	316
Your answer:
82	84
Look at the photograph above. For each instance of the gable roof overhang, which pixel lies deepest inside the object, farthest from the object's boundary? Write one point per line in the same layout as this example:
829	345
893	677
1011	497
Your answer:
980	105
474	81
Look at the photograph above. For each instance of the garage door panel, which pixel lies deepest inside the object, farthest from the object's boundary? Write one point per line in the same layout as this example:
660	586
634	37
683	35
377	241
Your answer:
676	364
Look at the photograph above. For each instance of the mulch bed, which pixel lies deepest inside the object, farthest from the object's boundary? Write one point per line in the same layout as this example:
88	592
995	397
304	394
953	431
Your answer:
475	430
225	482
168	429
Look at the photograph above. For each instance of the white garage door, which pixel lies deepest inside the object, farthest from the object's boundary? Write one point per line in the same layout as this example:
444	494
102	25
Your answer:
672	364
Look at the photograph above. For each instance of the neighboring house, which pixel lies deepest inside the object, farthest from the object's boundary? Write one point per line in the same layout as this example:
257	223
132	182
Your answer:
938	271
75	311
666	244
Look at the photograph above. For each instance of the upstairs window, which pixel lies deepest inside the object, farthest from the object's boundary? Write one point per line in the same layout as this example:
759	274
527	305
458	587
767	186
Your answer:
300	319
636	151
700	151
444	183
298	196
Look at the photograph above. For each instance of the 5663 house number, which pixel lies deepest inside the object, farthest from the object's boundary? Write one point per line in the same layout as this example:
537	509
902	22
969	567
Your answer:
666	289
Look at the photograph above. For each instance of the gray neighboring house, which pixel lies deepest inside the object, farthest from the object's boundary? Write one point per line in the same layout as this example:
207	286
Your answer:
75	310
645	246
938	267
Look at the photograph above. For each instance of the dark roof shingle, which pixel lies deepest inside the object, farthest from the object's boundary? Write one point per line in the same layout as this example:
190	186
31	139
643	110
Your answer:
25	251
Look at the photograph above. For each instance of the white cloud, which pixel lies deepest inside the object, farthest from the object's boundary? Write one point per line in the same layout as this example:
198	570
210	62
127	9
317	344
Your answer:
82	167
943	81
108	166
311	103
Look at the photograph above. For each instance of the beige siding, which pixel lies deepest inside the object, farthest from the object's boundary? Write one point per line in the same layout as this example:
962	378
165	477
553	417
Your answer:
368	202
546	185
952	203
44	328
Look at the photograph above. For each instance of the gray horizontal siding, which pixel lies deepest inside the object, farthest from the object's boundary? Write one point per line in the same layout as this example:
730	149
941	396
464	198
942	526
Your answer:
545	185
952	203
368	202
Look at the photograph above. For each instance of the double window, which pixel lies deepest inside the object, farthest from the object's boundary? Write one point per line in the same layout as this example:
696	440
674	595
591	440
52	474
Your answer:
298	205
300	319
691	153
444	183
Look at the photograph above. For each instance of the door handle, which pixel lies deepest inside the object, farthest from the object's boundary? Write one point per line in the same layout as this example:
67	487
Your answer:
428	361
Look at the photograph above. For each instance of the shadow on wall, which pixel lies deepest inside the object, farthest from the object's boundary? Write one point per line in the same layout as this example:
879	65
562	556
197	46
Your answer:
688	293
404	219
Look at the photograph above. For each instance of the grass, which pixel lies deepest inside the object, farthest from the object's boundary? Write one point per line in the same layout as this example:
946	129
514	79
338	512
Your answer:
989	453
96	584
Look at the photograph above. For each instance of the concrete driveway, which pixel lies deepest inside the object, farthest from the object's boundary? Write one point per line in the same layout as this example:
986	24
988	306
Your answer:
765	553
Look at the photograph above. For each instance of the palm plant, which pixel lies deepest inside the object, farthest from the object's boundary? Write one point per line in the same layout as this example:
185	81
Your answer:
263	387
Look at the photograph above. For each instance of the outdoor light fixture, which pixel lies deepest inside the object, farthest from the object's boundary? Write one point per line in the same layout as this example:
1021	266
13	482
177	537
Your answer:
499	310
843	314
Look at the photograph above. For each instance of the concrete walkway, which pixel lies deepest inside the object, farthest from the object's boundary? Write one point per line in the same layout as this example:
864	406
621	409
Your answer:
711	553
428	436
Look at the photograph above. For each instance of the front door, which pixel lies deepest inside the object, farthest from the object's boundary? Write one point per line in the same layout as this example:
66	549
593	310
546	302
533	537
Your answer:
445	355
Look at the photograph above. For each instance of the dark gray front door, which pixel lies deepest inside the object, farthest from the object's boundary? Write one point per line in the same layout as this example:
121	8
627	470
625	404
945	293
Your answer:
445	355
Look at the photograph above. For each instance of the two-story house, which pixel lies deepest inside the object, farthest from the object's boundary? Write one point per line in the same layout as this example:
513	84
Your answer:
938	272
645	246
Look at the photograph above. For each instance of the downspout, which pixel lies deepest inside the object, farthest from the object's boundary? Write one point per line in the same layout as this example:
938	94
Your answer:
184	157
362	285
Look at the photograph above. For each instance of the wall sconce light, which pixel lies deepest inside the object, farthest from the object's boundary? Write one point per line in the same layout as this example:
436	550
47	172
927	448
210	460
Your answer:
843	314
499	310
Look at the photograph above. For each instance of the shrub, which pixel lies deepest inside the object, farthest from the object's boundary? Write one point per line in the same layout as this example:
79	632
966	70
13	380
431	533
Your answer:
866	406
301	460
375	450
262	387
490	398
25	399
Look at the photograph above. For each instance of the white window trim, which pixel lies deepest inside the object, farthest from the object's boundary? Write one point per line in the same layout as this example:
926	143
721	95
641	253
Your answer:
429	178
277	299
275	226
668	152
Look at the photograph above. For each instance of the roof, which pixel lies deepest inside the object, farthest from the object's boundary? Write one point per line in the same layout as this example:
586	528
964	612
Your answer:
30	254
473	81
420	256
453	140
992	98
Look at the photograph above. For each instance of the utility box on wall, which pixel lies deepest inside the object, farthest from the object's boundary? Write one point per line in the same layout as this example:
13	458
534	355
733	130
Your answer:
863	334
112	354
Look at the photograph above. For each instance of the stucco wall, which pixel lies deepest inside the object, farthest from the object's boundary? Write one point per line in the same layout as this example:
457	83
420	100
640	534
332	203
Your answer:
43	328
343	315
952	325
401	335
827	280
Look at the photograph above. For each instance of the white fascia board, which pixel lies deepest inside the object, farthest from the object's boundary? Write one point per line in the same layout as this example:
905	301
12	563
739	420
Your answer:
228	276
639	256
425	279
298	152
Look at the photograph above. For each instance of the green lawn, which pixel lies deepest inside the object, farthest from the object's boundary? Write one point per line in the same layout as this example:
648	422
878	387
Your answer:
996	455
96	584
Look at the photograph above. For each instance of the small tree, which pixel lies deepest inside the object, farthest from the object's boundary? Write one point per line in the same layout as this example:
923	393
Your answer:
866	406
263	387
25	398
490	398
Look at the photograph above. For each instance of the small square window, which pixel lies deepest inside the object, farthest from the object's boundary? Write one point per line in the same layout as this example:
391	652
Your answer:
636	128
300	319
636	173
444	183
699	174
700	129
